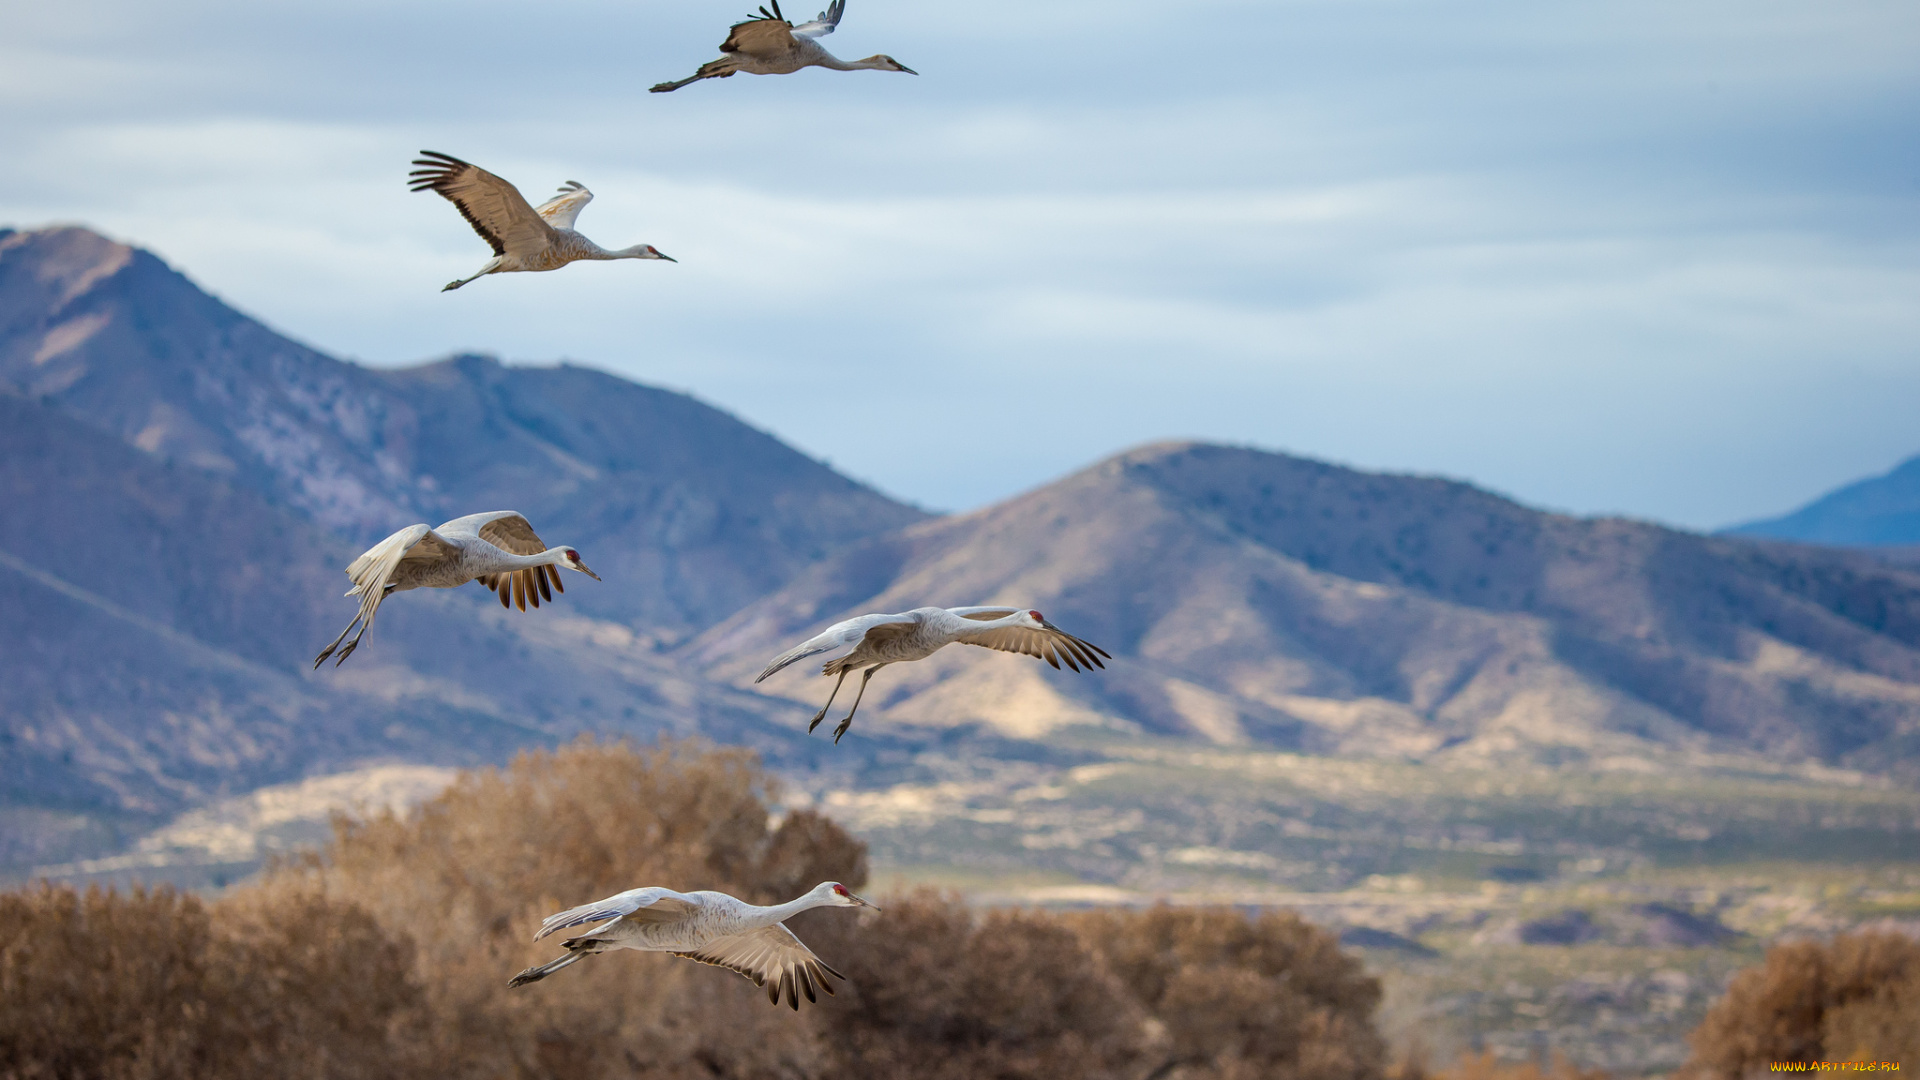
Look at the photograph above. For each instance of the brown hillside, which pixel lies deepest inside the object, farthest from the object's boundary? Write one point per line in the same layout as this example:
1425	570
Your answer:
1257	598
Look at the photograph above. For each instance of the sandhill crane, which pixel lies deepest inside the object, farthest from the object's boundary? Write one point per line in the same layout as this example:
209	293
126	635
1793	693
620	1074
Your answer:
874	641
710	927
767	44
499	550
523	237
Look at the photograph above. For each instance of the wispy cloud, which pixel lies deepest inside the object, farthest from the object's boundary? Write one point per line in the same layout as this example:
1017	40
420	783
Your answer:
1608	257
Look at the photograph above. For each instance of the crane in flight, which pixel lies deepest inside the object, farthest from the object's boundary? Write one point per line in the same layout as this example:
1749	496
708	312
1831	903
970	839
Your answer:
874	641
523	237
499	549
710	927
767	44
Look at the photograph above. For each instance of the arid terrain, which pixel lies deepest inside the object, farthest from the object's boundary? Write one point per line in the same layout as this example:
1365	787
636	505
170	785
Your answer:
1555	777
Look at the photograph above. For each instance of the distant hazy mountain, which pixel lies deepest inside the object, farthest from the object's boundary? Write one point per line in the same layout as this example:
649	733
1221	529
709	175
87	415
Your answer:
1256	598
687	512
1882	510
183	486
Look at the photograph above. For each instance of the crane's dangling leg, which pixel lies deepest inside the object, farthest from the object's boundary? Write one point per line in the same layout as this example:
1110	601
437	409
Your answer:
493	264
352	645
865	677
722	68
535	974
328	651
366	623
817	717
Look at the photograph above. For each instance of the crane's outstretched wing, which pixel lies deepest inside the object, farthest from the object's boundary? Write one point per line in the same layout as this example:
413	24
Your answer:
839	636
512	533
505	529
776	15
524	587
494	208
762	36
634	905
1050	643
823	23
561	210
373	570
772	957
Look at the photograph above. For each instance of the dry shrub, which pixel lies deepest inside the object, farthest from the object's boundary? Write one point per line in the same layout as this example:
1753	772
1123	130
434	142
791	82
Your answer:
470	875
76	970
1856	997
316	987
1266	996
1881	1026
148	985
940	992
388	954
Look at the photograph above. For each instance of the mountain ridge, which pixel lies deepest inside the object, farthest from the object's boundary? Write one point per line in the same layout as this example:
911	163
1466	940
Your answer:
109	333
184	491
184	486
1879	511
1302	605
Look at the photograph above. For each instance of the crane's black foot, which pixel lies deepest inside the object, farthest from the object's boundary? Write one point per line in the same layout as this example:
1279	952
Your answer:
817	717
842	730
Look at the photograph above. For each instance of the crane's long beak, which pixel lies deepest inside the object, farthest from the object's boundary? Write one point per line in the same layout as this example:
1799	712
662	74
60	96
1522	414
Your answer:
906	69
589	573
669	258
862	901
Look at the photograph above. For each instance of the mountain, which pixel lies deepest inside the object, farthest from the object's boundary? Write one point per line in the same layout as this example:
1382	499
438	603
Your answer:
687	512
1881	510
1254	598
183	487
693	513
161	608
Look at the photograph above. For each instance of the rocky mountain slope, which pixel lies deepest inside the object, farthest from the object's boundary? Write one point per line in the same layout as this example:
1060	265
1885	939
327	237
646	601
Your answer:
165	620
1878	511
692	511
183	487
1253	598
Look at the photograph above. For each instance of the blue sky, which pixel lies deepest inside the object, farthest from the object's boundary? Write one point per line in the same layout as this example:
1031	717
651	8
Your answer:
1632	257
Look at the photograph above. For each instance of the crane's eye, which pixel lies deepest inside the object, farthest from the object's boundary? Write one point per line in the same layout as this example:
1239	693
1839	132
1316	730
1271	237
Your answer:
572	554
1037	617
841	889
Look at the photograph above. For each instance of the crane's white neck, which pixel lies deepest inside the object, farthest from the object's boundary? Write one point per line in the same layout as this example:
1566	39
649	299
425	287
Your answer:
553	556
962	624
871	63
783	912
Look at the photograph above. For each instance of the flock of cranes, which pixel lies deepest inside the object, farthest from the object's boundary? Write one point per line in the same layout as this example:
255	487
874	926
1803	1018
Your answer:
501	551
526	237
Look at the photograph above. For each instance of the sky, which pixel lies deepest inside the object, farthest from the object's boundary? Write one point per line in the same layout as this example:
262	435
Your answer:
1608	257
